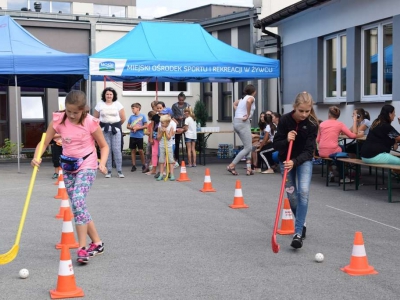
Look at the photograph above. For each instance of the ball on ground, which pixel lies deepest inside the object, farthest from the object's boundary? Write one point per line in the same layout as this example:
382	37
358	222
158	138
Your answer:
23	273
319	257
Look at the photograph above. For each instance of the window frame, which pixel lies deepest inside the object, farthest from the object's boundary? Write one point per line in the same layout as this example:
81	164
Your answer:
166	92
223	112
380	97
338	98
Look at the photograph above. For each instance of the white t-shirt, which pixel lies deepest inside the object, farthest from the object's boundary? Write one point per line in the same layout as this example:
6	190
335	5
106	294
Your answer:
191	133
241	109
109	113
271	136
171	141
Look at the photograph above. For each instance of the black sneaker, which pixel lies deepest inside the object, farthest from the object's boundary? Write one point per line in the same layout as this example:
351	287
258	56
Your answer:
133	169
157	175
143	169
297	242
95	249
303	233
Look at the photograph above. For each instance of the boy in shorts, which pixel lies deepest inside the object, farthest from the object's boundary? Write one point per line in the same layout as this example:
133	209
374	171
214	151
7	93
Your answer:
136	124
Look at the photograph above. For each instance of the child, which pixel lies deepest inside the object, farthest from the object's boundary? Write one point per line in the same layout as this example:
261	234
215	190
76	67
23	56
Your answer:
155	122
79	131
56	151
166	132
137	123
301	127
190	131
149	133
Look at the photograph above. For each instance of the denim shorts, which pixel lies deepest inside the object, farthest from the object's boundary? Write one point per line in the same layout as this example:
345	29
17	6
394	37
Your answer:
187	140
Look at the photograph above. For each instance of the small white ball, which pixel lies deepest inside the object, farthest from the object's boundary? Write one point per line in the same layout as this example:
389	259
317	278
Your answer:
319	257
23	273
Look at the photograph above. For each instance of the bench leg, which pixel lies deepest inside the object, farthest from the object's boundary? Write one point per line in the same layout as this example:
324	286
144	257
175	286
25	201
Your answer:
389	186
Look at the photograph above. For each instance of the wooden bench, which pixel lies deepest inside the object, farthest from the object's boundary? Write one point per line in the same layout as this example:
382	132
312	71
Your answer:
325	161
359	163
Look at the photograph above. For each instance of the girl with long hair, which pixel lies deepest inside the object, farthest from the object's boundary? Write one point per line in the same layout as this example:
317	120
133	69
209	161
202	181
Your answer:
301	127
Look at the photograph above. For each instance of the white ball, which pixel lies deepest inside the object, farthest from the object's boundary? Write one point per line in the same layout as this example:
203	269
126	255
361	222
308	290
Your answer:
319	257
23	273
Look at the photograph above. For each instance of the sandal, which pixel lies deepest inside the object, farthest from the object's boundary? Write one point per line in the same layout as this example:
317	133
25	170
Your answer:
249	172
231	170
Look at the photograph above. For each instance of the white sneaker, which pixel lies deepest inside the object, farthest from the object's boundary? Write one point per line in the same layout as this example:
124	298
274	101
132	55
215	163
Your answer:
347	180
176	165
120	175
108	175
268	171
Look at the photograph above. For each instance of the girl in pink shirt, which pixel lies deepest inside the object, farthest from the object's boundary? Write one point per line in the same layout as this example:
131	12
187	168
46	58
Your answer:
79	131
328	135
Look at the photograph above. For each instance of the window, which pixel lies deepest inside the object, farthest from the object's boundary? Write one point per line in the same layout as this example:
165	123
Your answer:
377	61
4	127
33	122
335	64
148	88
47	6
207	98
109	10
225	105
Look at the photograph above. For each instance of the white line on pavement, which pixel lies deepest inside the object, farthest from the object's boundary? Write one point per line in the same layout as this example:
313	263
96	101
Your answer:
347	212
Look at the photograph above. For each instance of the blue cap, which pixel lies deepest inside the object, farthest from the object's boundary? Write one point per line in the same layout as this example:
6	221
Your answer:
166	111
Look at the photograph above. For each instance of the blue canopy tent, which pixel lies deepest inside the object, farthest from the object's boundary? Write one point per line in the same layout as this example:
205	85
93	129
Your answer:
171	52
26	61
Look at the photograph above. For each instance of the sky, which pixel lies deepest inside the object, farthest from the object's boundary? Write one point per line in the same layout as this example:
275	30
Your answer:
149	9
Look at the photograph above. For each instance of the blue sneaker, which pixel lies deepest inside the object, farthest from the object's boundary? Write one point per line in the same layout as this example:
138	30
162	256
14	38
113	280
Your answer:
159	178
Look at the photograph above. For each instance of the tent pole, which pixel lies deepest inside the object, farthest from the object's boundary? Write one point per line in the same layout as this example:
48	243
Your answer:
18	125
156	89
233	112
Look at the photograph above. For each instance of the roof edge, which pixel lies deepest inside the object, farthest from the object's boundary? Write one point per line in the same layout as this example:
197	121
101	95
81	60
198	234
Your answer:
288	12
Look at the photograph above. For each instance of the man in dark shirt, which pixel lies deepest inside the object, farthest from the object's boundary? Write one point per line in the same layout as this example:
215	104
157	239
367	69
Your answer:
179	117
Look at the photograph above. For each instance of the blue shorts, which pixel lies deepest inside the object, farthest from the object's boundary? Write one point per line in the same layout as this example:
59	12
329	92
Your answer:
187	140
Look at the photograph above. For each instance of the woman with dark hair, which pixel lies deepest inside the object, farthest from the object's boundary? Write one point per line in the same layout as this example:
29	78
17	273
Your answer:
361	124
241	125
265	148
381	138
112	115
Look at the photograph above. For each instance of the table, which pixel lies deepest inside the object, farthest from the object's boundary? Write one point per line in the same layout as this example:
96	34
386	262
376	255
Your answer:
202	145
345	137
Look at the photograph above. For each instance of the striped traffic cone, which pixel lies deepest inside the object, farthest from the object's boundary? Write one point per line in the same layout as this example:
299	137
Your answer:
183	176
207	187
287	224
66	285
359	261
62	191
238	201
67	235
64	205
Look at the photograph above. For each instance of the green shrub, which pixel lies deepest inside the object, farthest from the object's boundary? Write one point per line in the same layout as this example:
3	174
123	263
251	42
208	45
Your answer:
10	148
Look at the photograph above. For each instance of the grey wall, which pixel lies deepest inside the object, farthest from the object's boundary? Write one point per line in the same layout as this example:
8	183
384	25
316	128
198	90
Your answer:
302	70
244	38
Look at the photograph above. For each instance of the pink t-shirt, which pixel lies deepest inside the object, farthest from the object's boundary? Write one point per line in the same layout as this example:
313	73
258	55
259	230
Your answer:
328	136
77	140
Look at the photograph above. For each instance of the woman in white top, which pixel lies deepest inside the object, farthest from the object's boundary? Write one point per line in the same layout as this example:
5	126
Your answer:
244	109
189	128
112	115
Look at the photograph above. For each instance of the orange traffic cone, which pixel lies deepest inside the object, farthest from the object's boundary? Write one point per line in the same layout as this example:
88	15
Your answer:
64	205
359	261
287	224
238	201
67	235
62	191
60	176
66	286
207	187
183	176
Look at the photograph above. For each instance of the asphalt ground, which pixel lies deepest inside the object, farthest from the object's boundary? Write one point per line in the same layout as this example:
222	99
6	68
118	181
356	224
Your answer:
168	240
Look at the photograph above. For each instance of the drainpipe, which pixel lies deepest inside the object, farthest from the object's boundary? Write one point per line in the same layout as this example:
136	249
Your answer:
279	57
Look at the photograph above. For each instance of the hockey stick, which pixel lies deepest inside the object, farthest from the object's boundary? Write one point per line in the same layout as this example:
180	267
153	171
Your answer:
274	243
10	255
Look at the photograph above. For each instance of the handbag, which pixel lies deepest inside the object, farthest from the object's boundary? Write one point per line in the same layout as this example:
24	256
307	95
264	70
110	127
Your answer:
71	164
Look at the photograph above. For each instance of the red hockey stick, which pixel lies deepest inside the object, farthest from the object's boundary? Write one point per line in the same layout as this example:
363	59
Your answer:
274	243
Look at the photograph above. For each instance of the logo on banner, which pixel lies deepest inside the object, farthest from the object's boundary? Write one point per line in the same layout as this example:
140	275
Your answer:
107	66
